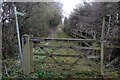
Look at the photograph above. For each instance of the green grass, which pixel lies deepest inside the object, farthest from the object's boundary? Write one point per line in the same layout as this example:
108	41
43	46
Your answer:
50	74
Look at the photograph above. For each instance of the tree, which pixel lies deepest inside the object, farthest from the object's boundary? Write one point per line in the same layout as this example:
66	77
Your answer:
39	18
90	15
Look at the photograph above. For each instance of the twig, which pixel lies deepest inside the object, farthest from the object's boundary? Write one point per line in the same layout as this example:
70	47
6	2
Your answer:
113	61
6	71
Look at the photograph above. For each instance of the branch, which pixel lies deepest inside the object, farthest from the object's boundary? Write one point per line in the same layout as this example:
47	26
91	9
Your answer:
113	61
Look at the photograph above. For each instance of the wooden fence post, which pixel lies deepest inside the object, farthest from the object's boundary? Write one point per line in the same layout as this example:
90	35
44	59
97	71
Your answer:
102	47
27	59
31	54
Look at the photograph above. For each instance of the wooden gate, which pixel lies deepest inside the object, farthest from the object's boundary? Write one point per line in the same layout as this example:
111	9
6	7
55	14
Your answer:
49	56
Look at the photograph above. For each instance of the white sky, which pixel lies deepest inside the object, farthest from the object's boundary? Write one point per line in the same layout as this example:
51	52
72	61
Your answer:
69	5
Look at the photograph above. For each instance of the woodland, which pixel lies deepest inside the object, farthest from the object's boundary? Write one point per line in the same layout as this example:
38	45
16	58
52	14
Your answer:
44	19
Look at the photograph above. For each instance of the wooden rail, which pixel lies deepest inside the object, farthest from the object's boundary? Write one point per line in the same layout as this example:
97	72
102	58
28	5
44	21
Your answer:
63	70
37	39
88	33
66	47
61	55
63	63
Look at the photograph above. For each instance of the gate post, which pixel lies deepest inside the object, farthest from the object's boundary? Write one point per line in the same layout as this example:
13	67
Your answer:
102	47
31	54
27	59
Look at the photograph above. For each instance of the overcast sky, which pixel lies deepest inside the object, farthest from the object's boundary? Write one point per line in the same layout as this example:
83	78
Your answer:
69	5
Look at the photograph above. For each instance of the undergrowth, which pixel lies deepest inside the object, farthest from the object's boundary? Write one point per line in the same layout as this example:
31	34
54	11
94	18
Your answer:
12	69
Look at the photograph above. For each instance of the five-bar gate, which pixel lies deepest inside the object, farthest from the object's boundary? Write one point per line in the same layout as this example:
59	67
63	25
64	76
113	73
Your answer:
50	56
